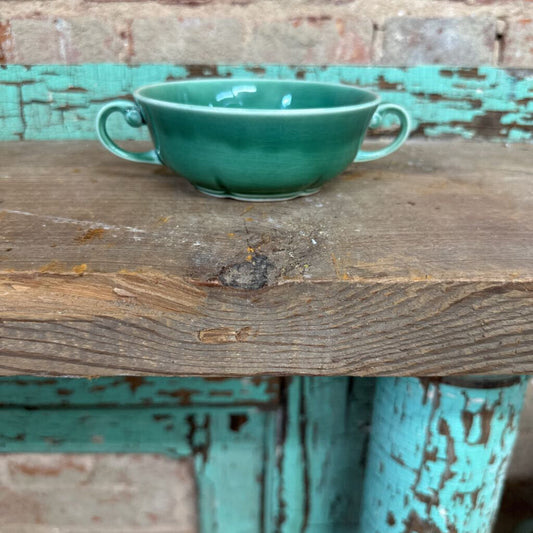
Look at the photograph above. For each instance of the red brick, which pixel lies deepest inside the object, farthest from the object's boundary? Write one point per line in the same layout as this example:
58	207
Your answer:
91	40
6	42
60	40
518	44
67	493
463	41
33	41
312	40
200	40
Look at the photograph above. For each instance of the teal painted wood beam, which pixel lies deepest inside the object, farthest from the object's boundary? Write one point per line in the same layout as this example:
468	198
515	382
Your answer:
438	454
225	444
223	426
318	470
47	102
129	391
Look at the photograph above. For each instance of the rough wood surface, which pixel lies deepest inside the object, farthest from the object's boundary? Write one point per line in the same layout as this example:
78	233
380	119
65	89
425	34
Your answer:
418	264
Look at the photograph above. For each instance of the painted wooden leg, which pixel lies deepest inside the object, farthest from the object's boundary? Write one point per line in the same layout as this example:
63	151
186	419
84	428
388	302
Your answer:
318	472
438	453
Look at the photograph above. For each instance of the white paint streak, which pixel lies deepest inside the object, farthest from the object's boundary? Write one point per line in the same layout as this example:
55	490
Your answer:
63	30
63	220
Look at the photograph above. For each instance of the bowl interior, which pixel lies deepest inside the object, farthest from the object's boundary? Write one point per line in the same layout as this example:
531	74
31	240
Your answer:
257	94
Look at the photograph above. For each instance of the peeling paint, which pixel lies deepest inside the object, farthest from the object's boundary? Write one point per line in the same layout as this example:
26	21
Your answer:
454	443
46	102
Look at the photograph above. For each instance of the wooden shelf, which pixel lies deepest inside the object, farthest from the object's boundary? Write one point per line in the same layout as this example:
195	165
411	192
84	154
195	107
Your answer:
418	264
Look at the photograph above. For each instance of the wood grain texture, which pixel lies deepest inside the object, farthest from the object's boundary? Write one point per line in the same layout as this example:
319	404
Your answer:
419	264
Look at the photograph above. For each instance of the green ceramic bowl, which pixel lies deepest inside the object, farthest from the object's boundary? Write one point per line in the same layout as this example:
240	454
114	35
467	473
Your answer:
254	139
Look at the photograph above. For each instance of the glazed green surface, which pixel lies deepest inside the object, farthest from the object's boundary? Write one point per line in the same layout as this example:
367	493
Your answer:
255	94
246	140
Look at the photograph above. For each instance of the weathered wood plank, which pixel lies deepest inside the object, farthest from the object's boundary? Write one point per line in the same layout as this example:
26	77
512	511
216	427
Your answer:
48	102
418	264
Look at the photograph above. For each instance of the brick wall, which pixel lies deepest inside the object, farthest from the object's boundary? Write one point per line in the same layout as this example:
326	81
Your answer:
392	32
96	493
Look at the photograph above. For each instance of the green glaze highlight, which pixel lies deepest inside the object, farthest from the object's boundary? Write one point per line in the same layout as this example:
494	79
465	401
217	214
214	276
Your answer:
254	139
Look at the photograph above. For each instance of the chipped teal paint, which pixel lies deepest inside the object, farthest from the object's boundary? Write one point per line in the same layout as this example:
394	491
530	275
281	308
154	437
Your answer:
262	463
226	440
93	430
230	480
228	460
320	470
48	102
130	391
437	456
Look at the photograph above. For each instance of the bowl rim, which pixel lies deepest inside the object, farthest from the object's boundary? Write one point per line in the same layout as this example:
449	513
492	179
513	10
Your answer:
139	97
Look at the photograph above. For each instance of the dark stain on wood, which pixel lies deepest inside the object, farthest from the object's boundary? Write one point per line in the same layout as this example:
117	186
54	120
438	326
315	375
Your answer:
398	460
488	124
486	415
302	427
249	275
465	73
430	455
200	446
19	437
429	500
257	70
475	495
385	85
480	382
76	89
158	417
64	392
475	103
90	234
184	395
467	419
391	520
205	71
281	437
134	382
237	421
415	524
451	457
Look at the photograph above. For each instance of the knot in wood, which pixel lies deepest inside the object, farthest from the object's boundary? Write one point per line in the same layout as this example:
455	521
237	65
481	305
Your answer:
250	275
